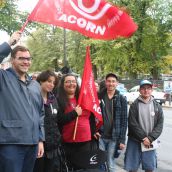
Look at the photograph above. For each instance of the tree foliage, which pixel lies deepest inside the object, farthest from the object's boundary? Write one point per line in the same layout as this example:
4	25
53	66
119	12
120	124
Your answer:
9	16
145	52
46	47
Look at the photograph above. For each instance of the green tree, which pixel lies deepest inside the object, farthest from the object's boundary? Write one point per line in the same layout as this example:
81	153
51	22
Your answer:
9	16
46	47
151	43
143	53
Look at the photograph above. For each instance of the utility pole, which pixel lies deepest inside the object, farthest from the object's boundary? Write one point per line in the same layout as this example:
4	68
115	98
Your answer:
64	48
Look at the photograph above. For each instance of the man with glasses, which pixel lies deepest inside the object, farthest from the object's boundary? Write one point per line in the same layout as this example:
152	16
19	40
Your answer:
114	111
21	112
145	125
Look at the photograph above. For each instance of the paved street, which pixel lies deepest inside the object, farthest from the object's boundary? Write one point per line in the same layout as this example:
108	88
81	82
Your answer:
164	153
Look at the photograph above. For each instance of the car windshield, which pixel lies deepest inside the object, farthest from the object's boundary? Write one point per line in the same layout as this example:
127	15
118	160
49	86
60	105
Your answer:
157	89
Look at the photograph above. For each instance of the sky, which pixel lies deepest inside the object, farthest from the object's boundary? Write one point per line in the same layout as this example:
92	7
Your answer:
26	5
23	5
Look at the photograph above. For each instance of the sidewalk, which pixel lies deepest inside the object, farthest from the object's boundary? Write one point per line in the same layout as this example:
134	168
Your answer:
120	163
167	105
119	169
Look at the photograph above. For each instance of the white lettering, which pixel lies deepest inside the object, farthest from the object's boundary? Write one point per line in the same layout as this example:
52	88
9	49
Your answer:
120	13
72	19
91	87
115	19
83	23
97	109
63	17
91	27
100	30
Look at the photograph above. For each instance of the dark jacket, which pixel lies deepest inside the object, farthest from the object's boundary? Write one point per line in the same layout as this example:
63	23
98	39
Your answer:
119	116
21	107
65	118
5	50
134	129
21	110
52	133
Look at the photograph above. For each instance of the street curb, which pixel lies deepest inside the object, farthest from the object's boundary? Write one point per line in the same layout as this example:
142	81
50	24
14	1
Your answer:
166	106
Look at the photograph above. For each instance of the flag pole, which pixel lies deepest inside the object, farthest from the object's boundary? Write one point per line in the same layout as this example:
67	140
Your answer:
64	48
23	27
76	124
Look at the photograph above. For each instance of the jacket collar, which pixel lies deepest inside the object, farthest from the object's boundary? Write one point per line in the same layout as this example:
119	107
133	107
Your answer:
28	78
104	91
50	99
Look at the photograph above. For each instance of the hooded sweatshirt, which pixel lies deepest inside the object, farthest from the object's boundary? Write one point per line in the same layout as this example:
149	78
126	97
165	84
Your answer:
146	115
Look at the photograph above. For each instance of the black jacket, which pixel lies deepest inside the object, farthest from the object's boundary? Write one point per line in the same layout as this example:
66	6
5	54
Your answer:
134	129
5	50
52	133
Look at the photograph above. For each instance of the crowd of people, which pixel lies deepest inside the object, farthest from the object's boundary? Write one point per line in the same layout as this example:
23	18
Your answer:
38	116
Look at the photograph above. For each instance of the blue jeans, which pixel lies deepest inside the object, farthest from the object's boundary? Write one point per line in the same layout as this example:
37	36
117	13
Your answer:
17	158
109	146
134	157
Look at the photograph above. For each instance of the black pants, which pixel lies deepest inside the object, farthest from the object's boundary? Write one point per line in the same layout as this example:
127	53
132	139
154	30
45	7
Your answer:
72	148
44	165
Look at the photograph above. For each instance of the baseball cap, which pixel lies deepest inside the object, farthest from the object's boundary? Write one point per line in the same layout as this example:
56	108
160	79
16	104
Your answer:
145	82
111	75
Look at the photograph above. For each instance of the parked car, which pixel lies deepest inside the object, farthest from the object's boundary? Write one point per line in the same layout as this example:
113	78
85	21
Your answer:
133	93
120	87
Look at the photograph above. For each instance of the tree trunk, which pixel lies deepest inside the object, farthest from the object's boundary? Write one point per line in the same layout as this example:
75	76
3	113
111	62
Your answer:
95	72
154	70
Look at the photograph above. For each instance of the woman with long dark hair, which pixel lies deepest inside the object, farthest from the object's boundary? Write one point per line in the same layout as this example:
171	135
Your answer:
69	111
48	81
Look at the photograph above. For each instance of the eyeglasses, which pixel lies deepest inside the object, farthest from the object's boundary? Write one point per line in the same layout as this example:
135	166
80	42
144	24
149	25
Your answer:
24	58
70	82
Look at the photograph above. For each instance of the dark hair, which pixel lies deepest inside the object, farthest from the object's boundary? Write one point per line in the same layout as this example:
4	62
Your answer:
111	75
18	48
62	96
43	76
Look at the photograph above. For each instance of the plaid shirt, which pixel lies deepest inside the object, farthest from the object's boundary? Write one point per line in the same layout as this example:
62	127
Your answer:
119	116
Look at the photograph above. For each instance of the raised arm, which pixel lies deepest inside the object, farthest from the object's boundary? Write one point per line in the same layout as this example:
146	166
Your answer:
5	48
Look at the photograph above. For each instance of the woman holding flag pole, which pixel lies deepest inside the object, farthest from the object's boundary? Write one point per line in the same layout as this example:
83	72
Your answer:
69	112
77	107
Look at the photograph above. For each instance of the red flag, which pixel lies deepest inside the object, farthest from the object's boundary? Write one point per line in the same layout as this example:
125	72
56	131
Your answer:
88	98
93	18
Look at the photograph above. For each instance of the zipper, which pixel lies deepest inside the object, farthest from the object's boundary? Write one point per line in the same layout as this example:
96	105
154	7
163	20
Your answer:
52	111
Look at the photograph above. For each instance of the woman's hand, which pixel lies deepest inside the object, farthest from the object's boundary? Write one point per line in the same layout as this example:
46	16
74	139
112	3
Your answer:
97	135
78	110
40	150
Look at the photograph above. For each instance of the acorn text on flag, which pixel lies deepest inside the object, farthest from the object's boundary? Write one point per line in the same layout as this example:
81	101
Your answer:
97	19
